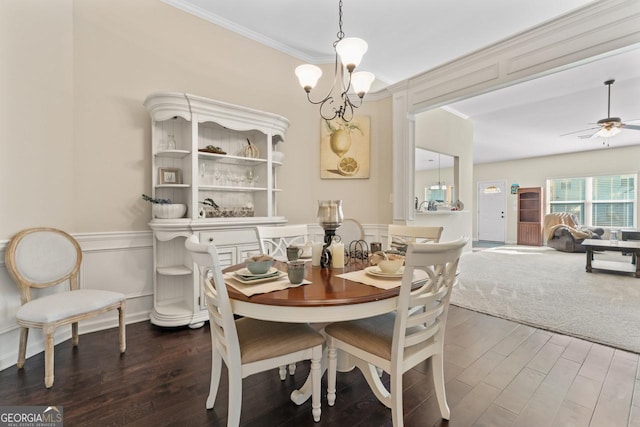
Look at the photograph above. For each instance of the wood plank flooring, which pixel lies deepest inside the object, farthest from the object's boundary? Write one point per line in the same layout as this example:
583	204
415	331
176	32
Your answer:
499	373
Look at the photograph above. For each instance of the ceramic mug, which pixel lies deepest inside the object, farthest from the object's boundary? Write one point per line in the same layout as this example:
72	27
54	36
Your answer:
294	252
295	271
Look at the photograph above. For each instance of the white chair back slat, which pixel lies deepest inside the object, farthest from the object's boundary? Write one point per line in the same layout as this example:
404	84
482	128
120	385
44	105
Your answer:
275	240
401	235
427	316
422	335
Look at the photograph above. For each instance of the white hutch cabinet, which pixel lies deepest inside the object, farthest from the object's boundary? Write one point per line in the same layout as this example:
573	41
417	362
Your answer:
239	176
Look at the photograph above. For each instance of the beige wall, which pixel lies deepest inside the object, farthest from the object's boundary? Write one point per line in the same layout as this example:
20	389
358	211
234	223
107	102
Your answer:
534	173
76	137
36	114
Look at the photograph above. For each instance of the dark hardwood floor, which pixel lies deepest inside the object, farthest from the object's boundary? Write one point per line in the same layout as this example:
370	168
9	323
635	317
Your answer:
499	373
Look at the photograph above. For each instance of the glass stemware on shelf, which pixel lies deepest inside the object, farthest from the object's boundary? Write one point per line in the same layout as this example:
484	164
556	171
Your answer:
171	142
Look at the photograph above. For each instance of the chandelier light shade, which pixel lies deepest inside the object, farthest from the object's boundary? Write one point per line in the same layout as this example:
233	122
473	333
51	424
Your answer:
348	55
351	50
361	82
308	76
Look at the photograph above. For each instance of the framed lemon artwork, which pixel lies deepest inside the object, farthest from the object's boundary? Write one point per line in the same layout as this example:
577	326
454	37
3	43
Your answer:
345	148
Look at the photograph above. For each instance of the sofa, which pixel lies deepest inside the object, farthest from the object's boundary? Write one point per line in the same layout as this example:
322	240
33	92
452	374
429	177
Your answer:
563	232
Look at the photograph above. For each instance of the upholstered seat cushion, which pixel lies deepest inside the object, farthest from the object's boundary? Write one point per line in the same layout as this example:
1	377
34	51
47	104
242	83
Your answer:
260	340
55	307
374	334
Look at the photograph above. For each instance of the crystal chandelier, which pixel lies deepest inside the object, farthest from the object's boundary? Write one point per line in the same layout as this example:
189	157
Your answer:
349	53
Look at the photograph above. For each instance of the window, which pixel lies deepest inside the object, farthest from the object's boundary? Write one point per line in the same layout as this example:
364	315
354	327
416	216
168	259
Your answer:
603	201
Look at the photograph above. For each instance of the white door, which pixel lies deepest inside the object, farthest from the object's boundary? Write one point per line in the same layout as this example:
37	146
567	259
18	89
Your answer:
492	202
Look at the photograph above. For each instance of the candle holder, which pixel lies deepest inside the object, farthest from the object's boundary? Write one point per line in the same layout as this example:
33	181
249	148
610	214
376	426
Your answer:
330	217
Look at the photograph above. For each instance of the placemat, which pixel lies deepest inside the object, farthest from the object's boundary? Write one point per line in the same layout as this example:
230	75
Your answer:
261	288
361	277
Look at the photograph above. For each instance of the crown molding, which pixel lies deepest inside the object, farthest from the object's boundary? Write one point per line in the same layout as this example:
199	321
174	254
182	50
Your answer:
246	32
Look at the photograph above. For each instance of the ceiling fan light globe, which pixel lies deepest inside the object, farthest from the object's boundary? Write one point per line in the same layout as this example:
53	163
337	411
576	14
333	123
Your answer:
608	133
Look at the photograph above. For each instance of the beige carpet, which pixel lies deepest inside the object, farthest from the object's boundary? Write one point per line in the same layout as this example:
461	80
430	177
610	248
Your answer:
548	289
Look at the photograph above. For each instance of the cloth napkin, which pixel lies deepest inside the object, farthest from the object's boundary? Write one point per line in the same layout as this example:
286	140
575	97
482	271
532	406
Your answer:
261	288
361	276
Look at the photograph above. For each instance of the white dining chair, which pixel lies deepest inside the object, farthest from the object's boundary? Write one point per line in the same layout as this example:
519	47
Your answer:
248	346
350	230
399	340
400	235
274	240
43	258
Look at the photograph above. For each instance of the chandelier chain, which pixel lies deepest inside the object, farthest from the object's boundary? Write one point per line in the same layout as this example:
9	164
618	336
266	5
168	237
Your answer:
340	33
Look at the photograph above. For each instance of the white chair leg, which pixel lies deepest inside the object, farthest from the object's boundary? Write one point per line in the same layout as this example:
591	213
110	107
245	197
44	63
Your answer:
48	355
437	367
396	400
235	395
282	371
292	369
22	347
332	368
123	331
216	369
316	378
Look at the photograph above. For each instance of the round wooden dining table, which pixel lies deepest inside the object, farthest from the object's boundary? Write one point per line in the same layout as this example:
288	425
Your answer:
326	299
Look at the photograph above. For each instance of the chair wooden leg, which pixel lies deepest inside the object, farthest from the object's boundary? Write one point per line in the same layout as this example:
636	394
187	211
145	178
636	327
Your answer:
282	371
123	331
316	378
396	399
292	369
332	368
48	331
22	347
437	366
216	368
74	334
235	395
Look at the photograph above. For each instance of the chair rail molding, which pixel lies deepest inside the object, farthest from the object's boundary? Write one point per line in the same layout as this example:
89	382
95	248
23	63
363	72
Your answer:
599	29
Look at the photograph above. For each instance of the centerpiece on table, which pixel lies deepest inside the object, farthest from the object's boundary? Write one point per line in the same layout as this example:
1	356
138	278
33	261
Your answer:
164	208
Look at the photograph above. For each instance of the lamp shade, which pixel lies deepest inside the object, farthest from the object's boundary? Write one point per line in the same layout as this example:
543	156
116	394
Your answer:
361	82
308	76
351	50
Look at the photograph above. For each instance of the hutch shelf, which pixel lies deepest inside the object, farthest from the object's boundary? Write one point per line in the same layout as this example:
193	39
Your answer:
240	178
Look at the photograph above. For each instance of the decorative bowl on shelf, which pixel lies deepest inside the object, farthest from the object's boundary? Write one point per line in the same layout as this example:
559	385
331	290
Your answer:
168	210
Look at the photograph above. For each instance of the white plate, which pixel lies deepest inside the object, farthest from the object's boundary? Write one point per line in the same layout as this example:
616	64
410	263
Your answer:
244	272
278	275
375	271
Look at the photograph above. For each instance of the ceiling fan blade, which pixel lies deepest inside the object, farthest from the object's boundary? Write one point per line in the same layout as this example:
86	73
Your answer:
626	126
580	131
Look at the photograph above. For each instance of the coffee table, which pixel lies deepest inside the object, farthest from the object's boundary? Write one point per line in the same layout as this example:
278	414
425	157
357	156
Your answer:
633	247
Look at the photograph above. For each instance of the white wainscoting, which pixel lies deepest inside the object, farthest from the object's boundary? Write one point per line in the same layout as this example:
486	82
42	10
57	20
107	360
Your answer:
120	262
111	261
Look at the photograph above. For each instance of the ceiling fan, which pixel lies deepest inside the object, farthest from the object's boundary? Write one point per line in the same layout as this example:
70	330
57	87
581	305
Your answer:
609	126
